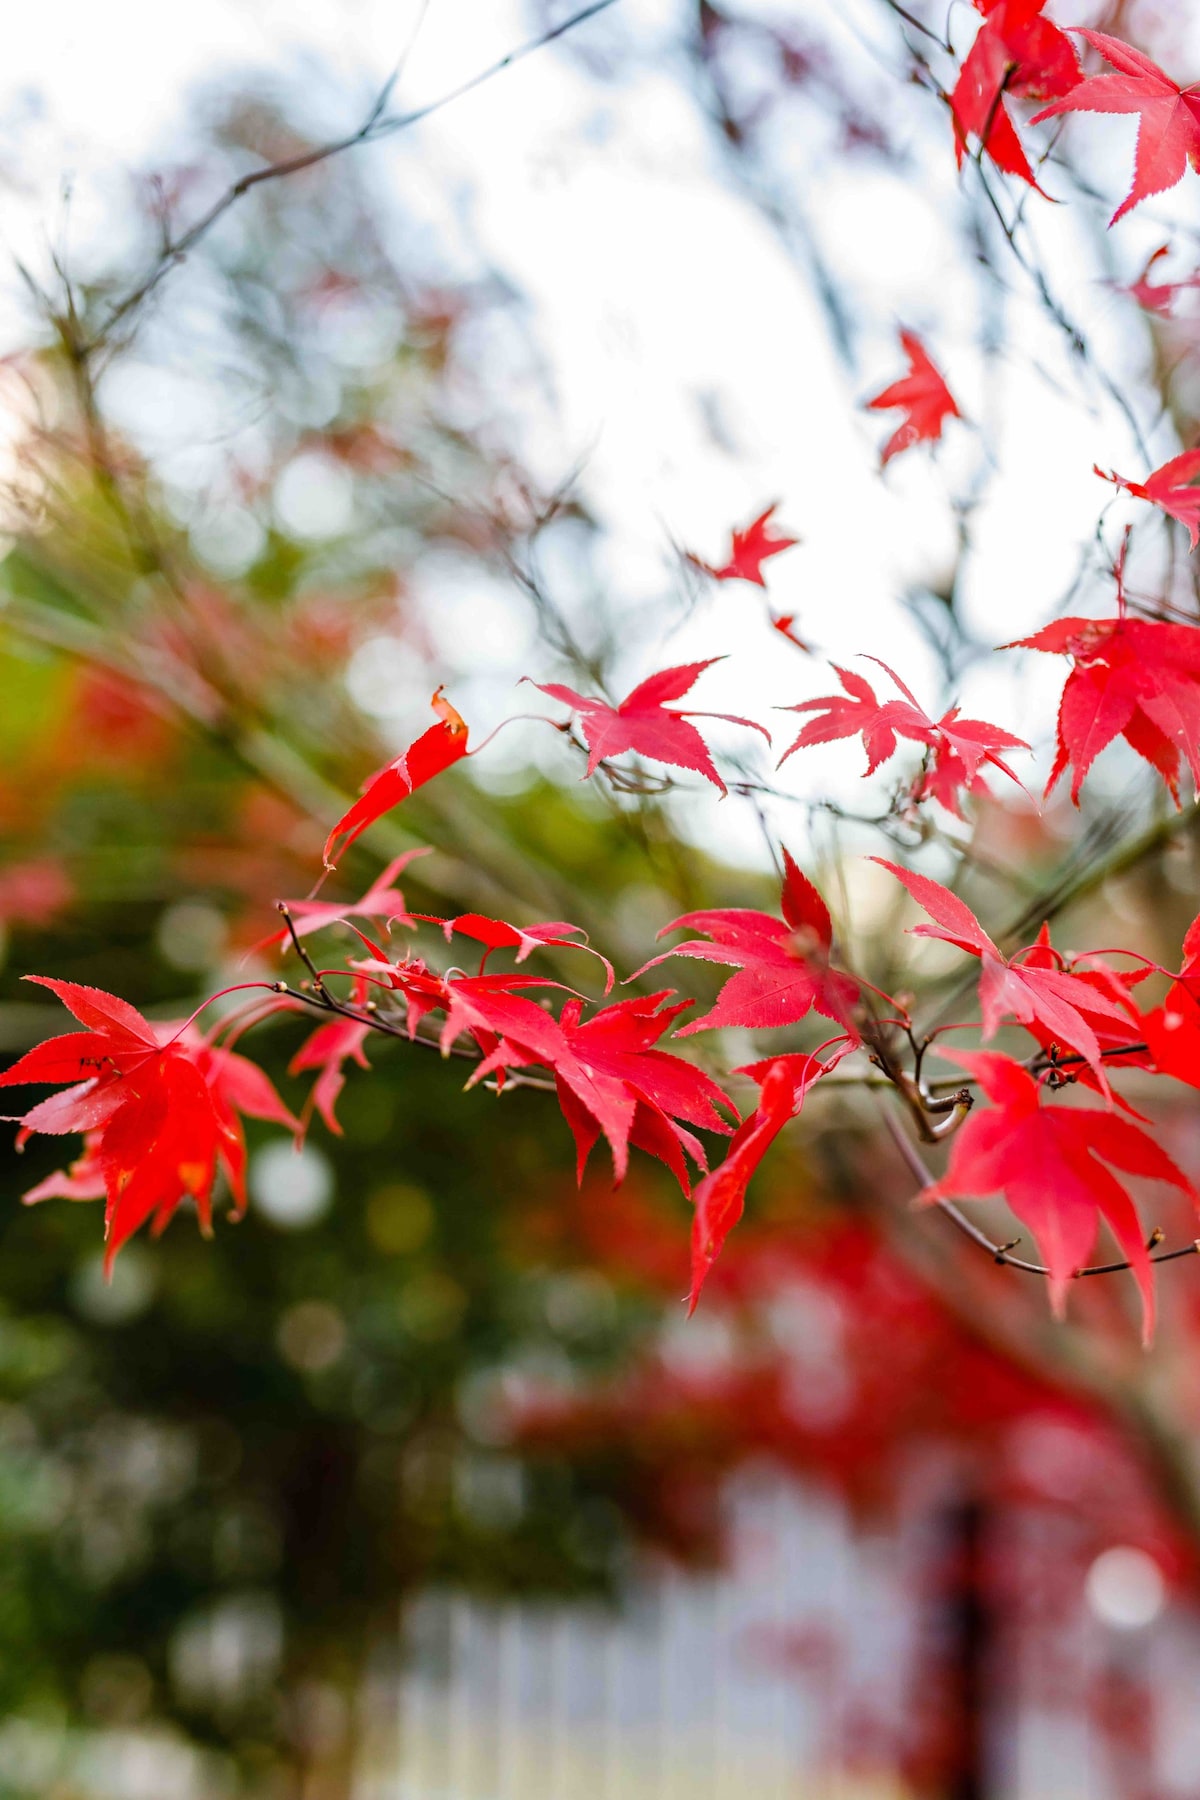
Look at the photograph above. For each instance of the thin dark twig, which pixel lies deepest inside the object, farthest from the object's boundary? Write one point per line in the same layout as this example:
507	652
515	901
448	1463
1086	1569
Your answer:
322	1000
318	982
376	125
1002	1253
918	25
1056	311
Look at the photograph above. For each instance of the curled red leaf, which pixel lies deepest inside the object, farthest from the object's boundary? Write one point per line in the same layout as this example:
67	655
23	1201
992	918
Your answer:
435	750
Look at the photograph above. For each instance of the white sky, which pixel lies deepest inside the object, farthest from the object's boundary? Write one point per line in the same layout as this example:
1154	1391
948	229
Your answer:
657	287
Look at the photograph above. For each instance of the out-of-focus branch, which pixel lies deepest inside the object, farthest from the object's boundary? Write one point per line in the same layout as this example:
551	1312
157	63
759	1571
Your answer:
379	123
1063	1353
316	994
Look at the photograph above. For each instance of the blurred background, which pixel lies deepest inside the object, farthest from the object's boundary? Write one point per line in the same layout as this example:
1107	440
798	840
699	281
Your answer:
416	1482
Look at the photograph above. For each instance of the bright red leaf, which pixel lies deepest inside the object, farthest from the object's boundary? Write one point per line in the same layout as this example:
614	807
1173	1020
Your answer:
721	1197
1172	1030
1168	116
749	549
497	934
611	1079
1172	489
644	725
327	1050
443	744
1049	1161
160	1105
1056	1005
922	394
1132	678
383	902
784	964
959	748
1159	296
1017	54
620	1042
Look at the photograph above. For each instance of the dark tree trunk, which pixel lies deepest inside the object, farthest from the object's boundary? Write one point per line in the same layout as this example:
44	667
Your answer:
967	1647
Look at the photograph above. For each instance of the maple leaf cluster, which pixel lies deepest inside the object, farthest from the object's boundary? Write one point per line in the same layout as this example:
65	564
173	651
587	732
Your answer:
958	748
1043	1158
1138	679
160	1108
1018	55
160	1105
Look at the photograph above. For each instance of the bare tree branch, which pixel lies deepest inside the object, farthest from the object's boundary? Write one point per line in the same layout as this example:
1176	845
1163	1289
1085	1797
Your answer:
377	124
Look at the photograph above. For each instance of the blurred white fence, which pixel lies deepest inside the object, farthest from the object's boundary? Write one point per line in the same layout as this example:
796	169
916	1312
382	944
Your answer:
769	1680
717	1688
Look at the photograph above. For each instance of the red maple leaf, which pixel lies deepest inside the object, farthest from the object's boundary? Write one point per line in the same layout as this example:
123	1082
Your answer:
1121	1039
330	1046
1017	53
160	1106
959	748
611	1080
1172	489
514	1031
1168	116
922	394
1158	296
435	750
1055	1004
1172	1030
1049	1163
498	934
644	725
748	551
784	967
383	901
326	1050
620	1042
721	1197
1133	678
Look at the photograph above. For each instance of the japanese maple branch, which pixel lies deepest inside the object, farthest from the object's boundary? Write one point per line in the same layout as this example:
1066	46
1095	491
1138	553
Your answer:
1002	1253
319	997
1042	1063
